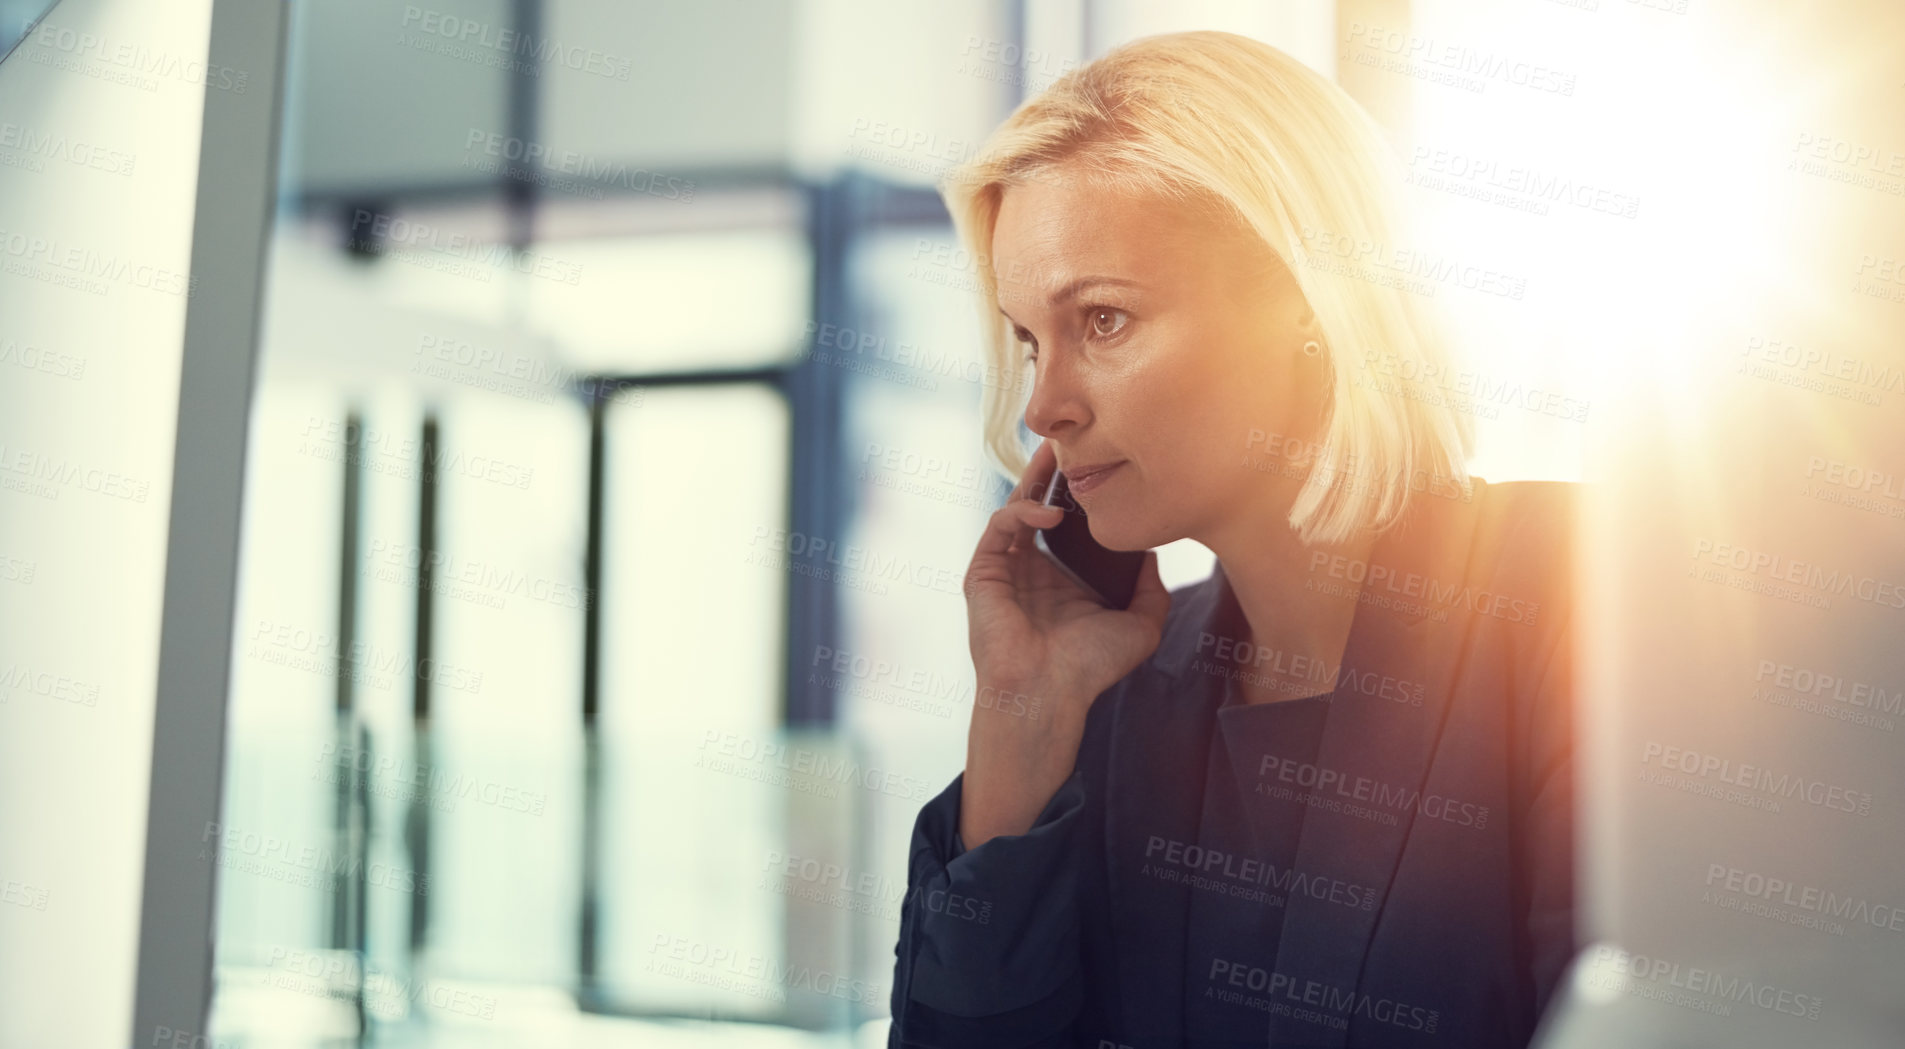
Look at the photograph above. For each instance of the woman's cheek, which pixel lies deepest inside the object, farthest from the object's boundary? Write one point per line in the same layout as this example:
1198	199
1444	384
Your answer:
1174	381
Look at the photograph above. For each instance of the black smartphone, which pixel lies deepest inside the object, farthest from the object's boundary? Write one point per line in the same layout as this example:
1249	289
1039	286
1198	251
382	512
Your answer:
1109	575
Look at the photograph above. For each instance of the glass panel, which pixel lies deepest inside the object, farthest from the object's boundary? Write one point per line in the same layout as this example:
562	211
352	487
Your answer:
505	679
377	760
282	843
692	622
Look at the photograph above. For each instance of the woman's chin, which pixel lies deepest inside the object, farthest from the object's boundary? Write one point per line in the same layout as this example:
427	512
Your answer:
1114	534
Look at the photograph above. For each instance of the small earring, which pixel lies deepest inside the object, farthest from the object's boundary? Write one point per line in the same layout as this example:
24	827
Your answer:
1312	348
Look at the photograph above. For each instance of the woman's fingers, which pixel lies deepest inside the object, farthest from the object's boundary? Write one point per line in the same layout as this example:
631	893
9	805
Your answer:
1037	474
1013	523
1041	470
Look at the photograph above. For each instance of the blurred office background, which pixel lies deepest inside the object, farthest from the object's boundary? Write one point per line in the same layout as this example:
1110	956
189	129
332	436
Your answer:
728	385
615	457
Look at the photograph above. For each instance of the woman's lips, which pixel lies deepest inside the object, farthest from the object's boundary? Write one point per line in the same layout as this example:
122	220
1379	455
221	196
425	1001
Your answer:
1086	482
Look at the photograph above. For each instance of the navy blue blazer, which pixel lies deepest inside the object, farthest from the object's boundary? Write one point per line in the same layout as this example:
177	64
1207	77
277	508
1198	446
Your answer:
1442	789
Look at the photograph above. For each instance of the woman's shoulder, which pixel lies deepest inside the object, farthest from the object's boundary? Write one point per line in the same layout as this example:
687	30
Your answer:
1523	539
1524	552
1538	502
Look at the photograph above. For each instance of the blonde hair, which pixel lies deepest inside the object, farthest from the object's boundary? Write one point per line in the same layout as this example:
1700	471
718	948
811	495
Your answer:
1216	117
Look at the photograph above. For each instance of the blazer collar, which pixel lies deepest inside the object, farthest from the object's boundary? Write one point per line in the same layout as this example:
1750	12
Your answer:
1159	747
1432	540
1210	608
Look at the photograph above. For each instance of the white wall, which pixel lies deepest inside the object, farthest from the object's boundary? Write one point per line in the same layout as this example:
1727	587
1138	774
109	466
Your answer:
100	114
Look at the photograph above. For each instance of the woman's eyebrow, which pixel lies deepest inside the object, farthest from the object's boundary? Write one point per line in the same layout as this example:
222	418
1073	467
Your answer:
1071	289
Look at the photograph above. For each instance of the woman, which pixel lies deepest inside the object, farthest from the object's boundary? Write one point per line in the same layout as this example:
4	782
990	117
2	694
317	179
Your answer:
1323	797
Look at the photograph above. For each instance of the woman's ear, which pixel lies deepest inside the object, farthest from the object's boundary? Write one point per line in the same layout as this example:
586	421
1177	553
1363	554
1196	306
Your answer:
1306	322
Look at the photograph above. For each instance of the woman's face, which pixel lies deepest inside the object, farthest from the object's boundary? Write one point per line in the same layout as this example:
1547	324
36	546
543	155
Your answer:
1167	340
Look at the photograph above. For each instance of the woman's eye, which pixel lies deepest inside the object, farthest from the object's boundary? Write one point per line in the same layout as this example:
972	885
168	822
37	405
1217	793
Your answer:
1025	339
1106	322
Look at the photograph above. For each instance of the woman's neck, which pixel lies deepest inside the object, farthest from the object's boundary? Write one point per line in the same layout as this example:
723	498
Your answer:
1298	602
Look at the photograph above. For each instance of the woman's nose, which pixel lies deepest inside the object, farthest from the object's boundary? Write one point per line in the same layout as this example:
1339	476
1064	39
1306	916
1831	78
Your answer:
1057	400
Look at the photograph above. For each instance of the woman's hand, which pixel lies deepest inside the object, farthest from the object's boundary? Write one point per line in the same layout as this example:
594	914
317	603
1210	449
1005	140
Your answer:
1032	629
1039	644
